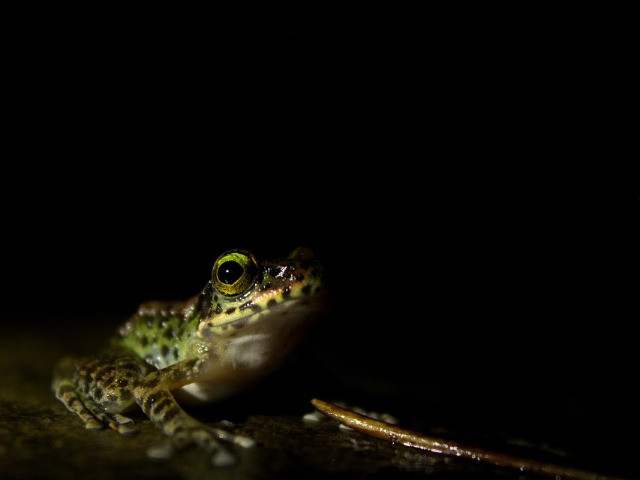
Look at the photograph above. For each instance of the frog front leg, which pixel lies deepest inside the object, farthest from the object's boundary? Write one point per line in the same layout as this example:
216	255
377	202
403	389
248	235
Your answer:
98	389
153	395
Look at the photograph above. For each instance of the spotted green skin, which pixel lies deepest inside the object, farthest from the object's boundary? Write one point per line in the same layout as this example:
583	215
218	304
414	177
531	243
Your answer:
203	349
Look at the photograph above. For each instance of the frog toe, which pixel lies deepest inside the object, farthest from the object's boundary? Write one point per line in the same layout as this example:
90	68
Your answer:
204	437
125	429
113	424
226	436
93	424
222	458
244	442
122	420
162	451
106	420
76	403
114	421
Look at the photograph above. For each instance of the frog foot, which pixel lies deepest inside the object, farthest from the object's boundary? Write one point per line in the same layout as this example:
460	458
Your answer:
160	406
207	438
89	412
114	421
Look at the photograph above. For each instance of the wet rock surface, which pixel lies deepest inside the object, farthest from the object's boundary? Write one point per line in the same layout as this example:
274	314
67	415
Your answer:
39	438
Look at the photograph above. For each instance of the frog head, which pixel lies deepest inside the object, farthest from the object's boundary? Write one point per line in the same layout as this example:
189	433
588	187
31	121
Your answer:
260	305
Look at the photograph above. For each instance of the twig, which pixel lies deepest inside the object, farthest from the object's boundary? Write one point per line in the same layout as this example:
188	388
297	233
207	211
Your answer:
396	434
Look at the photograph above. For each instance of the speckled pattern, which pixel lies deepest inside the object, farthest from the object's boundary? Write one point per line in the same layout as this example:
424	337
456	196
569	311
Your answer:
214	344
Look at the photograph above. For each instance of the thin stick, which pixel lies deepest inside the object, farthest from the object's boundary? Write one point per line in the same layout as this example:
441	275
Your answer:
395	434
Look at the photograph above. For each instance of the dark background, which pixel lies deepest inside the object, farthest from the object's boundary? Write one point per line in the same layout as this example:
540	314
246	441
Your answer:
454	170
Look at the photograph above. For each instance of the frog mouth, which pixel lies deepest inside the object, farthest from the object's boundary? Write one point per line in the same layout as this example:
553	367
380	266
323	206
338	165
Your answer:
293	310
290	312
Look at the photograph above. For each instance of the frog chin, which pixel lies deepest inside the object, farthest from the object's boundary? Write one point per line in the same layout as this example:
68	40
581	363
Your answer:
245	355
260	340
264	341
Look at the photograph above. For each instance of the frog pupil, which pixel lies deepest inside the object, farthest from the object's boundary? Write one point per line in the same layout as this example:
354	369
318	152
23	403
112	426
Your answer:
230	272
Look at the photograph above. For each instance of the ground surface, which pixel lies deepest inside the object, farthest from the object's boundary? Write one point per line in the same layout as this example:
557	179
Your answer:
39	438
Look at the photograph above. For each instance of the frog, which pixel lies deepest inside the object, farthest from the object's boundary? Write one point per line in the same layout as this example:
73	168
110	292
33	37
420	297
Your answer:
244	322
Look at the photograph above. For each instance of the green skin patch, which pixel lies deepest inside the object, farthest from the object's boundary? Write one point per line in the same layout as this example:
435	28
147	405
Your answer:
242	324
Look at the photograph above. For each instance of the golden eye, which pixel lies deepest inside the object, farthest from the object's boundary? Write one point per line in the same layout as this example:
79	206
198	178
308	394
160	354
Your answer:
234	272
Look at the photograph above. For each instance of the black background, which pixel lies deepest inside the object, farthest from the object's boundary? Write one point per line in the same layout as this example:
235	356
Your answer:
452	169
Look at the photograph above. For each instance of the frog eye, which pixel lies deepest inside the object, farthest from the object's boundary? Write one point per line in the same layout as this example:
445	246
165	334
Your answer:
234	272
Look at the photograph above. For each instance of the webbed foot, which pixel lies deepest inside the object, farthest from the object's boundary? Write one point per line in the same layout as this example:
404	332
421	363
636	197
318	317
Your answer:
90	413
207	438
